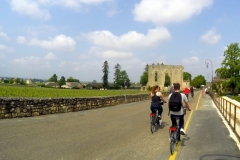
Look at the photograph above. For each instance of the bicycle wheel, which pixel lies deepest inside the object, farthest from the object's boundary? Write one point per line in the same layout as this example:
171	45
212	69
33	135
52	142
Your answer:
178	136
172	143
152	124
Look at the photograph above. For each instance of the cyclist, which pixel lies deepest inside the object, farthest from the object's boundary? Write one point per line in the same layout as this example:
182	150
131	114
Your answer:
192	91
172	89
180	113
157	98
186	92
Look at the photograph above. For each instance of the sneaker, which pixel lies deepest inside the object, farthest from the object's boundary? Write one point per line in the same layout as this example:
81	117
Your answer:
159	117
160	122
182	132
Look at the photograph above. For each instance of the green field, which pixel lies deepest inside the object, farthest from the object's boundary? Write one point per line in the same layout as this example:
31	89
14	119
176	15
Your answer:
39	92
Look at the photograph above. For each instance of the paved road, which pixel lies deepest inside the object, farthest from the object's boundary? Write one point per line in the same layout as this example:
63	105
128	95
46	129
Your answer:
209	136
112	133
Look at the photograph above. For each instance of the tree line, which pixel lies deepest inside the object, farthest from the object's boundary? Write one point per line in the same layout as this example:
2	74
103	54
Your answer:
120	79
230	69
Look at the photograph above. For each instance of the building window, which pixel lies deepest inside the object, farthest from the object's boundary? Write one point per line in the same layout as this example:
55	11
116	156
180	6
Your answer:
156	75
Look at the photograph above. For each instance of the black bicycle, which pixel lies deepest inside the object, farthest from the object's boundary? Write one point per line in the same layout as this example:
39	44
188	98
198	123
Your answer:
192	94
174	132
155	121
175	136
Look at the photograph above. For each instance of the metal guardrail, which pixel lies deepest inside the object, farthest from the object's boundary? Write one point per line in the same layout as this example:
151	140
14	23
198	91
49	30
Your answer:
230	112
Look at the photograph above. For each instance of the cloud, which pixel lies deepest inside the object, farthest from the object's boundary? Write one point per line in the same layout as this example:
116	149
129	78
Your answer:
31	61
30	8
74	3
70	3
84	56
190	61
77	66
111	54
21	40
4	36
168	11
27	60
2	55
38	8
5	48
60	42
130	40
210	37
50	56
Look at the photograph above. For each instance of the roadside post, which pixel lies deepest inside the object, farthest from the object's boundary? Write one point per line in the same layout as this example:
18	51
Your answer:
125	87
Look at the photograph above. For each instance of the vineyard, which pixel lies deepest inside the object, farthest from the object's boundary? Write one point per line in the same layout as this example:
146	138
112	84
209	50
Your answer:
40	92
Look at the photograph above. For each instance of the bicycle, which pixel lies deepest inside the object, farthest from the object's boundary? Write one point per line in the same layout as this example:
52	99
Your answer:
192	94
175	135
155	121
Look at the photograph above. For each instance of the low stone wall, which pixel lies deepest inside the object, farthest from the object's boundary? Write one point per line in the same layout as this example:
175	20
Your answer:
27	107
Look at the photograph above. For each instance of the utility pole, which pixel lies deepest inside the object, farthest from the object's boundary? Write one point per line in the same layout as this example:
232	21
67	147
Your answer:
207	64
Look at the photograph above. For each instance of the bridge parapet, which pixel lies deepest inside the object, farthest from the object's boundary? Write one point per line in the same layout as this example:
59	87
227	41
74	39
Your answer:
230	109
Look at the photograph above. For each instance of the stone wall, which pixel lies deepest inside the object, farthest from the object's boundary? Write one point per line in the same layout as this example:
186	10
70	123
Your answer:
27	107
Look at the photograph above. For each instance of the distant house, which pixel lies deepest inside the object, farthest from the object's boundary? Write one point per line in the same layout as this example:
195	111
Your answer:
52	84
71	85
28	81
186	83
15	81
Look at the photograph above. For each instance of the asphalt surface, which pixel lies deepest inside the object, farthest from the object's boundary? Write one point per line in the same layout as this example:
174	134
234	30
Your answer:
119	132
208	136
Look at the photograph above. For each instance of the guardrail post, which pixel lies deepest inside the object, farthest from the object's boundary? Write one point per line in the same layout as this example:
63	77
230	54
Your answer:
235	118
230	110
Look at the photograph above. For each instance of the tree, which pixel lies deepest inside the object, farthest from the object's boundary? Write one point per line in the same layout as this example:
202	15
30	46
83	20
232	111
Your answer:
146	68
116	75
62	81
11	80
167	80
187	76
198	81
71	79
22	82
105	74
230	67
144	78
123	76
94	84
53	78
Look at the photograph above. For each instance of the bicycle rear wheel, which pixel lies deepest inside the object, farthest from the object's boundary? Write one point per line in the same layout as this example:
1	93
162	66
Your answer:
172	143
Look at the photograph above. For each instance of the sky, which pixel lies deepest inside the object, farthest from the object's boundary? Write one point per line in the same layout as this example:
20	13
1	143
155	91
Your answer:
39	38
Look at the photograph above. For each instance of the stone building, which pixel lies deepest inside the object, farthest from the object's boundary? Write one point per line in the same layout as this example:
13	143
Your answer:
71	85
156	75
28	81
52	84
